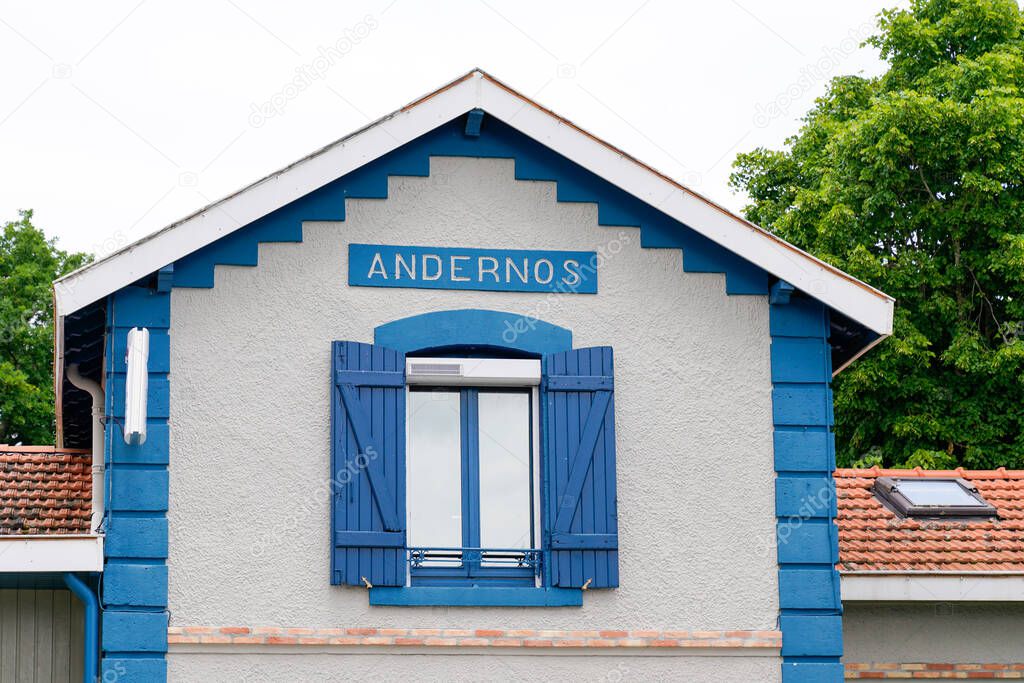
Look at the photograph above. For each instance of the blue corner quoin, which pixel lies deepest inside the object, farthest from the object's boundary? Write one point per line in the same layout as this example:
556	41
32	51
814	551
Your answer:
134	588
805	498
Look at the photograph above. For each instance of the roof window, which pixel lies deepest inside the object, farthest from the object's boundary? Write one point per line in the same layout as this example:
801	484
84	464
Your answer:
933	497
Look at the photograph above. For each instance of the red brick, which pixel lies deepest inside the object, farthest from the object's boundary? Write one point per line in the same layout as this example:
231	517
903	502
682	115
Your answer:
613	634
665	642
938	667
440	642
536	643
344	640
600	642
489	633
234	630
408	641
507	642
282	640
569	643
378	640
361	631
474	642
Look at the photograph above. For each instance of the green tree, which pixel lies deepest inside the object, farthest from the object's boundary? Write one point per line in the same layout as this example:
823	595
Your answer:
28	265
914	182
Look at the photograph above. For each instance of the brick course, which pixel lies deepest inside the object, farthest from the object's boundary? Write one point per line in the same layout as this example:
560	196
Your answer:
933	671
455	638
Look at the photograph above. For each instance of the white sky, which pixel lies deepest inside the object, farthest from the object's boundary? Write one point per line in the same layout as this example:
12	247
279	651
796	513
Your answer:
118	118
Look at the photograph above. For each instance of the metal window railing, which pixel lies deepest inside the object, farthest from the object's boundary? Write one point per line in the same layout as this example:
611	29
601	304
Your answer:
530	558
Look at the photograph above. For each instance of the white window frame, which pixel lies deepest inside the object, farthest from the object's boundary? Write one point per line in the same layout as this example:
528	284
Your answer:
483	373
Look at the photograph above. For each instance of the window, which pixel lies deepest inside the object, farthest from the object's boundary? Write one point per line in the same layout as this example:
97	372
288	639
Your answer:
442	477
928	497
472	471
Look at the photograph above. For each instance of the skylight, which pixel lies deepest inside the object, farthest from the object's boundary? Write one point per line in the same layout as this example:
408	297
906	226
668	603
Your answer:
920	497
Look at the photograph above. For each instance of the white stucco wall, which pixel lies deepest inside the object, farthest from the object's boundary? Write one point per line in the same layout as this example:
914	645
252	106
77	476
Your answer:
324	668
249	524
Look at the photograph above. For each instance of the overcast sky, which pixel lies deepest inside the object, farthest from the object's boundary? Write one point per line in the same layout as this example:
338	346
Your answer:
117	118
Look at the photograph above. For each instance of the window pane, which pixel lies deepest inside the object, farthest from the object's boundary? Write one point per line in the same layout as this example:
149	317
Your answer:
505	505
435	470
936	493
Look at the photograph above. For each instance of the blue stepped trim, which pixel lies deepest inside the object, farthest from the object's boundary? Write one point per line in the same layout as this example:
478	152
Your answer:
429	596
805	497
473	327
495	139
134	588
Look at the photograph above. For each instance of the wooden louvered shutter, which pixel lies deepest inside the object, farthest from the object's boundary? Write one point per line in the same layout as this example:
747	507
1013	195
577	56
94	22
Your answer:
368	465
579	433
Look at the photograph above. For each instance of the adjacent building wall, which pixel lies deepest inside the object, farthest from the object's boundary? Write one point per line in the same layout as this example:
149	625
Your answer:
948	632
249	450
41	636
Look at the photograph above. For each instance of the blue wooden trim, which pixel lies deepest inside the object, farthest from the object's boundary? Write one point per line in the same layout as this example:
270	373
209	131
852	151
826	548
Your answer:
533	161
359	418
474	119
780	292
439	596
368	468
470	327
369	378
568	541
165	278
136	631
141	669
594	383
134	588
581	460
369	539
805	499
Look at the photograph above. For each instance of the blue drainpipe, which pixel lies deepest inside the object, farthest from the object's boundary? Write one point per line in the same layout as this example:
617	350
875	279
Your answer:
92	624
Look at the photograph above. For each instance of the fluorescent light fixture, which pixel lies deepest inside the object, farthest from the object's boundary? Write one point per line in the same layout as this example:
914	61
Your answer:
136	386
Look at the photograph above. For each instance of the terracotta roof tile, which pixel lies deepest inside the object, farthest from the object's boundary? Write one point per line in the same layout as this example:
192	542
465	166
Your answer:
873	538
44	490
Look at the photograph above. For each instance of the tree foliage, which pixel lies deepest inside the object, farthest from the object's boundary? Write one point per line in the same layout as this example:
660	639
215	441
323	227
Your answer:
28	265
914	182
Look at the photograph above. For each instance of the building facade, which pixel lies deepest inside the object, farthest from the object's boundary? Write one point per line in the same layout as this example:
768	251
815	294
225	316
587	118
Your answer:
466	395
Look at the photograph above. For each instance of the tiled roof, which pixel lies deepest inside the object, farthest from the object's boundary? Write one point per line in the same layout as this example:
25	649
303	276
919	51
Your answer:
44	490
873	538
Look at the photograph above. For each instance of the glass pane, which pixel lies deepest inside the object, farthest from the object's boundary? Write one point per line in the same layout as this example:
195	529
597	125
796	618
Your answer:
936	493
505	506
434	484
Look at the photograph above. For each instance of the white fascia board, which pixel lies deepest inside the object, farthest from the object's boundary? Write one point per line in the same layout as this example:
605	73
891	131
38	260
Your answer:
860	302
840	291
96	280
932	587
51	553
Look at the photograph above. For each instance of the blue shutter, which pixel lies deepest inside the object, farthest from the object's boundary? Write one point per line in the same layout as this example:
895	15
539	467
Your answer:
581	529
368	465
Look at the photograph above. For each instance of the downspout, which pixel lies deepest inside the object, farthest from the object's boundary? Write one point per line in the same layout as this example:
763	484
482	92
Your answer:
92	624
96	392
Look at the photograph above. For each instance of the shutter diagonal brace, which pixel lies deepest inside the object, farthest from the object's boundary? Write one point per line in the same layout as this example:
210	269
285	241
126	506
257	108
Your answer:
379	483
581	461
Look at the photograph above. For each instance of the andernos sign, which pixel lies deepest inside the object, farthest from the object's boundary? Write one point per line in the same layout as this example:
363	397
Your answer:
498	270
